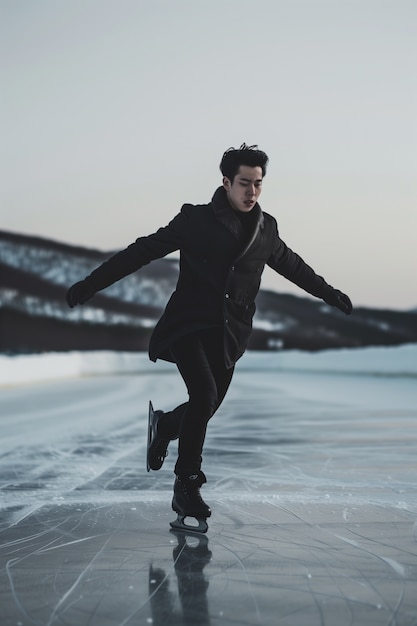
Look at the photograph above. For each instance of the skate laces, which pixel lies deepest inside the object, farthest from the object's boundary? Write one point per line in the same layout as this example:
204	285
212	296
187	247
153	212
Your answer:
191	490
160	447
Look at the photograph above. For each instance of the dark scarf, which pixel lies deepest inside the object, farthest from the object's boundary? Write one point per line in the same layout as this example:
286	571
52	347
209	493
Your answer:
240	225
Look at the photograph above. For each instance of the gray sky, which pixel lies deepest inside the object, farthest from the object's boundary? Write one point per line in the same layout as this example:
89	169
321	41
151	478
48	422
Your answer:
116	112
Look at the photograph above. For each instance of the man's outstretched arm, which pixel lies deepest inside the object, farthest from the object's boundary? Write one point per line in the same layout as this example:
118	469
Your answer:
290	265
140	253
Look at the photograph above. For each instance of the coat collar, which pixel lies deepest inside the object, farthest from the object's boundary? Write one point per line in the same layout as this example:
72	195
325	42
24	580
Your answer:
226	215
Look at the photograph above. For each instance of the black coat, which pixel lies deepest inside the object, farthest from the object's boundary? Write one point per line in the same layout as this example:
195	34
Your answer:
220	272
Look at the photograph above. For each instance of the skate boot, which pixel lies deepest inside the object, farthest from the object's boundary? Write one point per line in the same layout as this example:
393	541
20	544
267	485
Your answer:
187	502
157	446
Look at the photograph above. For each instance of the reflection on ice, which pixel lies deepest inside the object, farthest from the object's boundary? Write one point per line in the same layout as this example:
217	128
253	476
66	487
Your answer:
262	563
190	556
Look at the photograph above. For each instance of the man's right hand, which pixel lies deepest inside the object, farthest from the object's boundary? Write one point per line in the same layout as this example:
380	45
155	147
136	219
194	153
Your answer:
79	293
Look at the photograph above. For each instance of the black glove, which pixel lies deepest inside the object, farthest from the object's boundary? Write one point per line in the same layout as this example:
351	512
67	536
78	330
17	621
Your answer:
79	293
340	300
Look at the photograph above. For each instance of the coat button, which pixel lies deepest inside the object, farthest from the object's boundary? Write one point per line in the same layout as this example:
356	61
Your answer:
233	268
226	295
227	321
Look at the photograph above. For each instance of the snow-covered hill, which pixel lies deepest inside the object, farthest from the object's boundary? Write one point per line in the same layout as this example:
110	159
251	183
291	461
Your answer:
35	274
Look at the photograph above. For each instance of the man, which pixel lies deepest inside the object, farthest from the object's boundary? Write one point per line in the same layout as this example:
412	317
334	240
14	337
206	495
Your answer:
224	246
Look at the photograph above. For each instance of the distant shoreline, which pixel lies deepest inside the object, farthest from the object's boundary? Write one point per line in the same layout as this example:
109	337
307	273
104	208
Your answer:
382	361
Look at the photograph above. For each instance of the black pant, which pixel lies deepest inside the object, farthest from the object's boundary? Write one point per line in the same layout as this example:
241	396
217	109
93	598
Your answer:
200	361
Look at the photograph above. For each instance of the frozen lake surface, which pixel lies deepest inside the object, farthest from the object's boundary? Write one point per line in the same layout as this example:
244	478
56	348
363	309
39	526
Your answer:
311	466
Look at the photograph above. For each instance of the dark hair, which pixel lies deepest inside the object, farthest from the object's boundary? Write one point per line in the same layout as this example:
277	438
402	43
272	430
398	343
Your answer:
233	158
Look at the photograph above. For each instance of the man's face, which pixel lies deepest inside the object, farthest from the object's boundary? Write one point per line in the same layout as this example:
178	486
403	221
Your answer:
246	188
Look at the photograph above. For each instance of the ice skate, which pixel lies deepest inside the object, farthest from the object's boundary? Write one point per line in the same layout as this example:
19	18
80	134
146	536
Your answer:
157	446
187	502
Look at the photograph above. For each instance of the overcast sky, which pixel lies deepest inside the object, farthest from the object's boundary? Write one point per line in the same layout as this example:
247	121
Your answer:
116	112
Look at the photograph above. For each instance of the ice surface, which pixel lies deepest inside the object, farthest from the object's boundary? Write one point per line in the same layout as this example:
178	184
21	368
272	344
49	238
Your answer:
312	482
261	564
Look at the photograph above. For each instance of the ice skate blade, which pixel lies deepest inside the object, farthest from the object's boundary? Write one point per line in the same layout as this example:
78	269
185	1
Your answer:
179	524
154	463
150	414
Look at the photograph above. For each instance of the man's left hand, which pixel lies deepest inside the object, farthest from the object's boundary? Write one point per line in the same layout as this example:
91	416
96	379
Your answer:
341	301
